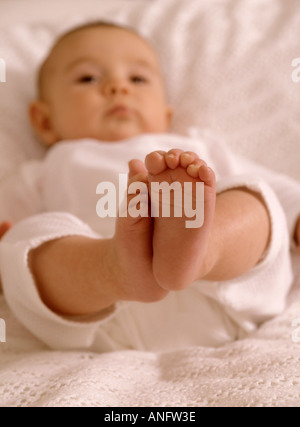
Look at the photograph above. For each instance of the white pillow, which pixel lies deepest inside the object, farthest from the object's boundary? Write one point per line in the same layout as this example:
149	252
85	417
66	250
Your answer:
228	68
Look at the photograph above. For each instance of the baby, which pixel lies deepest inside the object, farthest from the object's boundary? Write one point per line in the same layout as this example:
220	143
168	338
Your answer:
101	103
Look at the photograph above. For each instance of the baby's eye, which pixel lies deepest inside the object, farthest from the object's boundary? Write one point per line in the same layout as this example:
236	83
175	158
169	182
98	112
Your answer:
88	79
138	79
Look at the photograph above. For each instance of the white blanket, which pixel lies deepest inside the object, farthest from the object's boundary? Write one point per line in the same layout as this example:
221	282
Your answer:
262	370
228	68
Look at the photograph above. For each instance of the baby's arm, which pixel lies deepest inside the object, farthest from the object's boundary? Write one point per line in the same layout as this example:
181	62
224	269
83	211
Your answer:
240	235
79	275
69	259
54	265
107	270
89	287
288	193
286	188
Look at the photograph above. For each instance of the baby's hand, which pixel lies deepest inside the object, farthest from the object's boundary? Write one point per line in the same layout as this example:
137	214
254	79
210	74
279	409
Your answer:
4	227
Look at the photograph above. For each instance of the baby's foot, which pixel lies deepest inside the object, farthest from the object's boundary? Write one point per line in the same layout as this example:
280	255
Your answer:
179	250
133	241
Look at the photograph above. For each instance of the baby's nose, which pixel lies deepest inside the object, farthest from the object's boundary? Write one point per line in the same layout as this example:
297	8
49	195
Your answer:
116	86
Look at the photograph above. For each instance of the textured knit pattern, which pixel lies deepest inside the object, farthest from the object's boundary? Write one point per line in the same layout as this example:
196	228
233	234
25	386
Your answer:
261	370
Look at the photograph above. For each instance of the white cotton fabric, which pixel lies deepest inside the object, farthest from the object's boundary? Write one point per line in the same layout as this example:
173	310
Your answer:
206	313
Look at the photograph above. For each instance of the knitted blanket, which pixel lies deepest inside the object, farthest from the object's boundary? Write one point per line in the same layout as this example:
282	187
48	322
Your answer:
261	370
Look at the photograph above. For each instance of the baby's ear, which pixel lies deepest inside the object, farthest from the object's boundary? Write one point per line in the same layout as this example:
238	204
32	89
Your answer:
39	115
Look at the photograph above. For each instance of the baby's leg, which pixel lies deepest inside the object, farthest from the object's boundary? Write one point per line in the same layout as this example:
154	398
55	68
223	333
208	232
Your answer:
79	275
133	240
179	251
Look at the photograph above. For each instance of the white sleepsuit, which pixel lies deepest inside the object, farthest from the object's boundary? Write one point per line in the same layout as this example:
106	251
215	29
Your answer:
57	197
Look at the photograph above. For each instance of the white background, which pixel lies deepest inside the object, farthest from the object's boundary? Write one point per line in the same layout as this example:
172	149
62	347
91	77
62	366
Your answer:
16	11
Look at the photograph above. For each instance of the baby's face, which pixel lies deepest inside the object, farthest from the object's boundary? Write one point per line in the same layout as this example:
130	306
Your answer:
102	83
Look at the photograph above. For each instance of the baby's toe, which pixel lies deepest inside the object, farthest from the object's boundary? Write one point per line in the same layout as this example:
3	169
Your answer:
193	168
136	167
155	162
172	158
187	158
207	175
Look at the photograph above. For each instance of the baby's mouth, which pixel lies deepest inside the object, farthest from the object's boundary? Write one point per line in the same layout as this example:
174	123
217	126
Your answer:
120	110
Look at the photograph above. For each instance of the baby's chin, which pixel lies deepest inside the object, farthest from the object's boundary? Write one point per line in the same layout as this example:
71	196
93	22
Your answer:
118	135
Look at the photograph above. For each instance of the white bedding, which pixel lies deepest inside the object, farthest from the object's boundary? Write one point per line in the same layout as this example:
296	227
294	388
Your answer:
261	370
228	69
